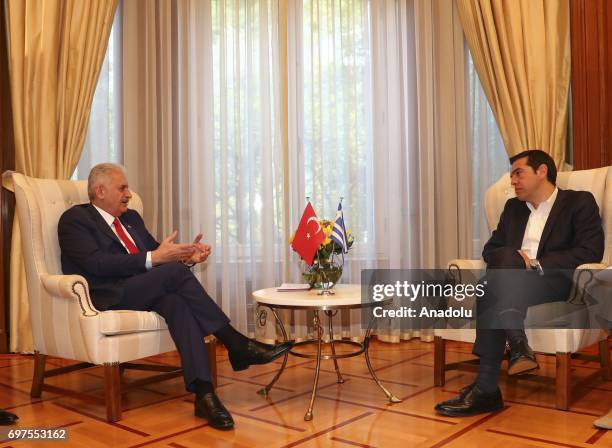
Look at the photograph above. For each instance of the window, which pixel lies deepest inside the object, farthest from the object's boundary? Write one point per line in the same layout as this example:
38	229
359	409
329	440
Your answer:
245	99
336	52
334	63
103	141
489	158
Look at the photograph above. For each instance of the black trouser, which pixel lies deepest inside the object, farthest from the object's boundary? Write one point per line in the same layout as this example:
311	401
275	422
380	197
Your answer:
510	290
176	294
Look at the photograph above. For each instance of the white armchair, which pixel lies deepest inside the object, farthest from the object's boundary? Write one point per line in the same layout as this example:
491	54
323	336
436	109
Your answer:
571	313
65	322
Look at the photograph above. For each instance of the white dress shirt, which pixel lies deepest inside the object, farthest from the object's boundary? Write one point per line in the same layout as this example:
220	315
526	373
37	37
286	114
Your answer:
109	220
535	225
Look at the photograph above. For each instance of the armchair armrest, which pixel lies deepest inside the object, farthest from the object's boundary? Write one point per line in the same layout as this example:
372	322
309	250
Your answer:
467	264
70	287
458	267
605	275
583	277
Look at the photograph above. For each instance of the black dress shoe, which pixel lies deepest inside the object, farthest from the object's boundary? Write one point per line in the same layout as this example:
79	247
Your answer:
7	418
459	398
211	408
522	359
471	401
257	353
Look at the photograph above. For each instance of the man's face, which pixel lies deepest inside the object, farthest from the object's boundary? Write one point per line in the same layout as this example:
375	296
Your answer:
525	180
114	194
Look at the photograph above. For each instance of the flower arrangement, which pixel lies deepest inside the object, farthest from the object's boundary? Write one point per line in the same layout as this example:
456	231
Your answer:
326	268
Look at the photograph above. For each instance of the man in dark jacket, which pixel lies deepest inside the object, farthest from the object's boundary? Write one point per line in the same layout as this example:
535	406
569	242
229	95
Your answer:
126	268
543	234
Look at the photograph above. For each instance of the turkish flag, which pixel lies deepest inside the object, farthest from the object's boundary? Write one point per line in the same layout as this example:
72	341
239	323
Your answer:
308	236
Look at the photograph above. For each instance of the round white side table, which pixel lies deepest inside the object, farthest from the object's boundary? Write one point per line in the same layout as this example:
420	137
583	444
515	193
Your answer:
345	297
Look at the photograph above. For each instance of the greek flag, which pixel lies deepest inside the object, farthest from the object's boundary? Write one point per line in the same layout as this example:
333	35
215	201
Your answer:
338	235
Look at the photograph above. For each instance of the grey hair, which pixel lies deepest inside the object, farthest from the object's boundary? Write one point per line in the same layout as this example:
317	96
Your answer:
100	174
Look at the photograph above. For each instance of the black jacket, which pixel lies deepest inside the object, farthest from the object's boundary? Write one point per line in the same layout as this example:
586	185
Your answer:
572	236
90	248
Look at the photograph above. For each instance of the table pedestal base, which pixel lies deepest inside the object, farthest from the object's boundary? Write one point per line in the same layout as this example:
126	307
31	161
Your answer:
362	347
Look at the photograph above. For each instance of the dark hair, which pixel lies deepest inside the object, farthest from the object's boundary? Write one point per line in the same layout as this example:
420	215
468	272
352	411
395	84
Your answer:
537	157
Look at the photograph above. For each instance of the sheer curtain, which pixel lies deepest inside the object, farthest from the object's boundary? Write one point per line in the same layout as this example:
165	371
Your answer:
373	114
381	120
489	157
248	164
421	167
204	151
337	112
103	139
330	130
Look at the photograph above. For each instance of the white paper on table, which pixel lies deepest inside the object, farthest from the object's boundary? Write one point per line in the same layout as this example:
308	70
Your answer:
293	287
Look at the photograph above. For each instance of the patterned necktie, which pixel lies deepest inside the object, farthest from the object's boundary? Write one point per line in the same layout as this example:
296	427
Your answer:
128	244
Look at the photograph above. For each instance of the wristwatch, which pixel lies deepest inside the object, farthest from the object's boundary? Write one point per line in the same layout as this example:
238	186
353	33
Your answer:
535	265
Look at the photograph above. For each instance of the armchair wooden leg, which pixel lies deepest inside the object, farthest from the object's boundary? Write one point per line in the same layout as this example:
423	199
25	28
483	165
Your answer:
439	361
38	378
604	359
211	346
112	391
562	383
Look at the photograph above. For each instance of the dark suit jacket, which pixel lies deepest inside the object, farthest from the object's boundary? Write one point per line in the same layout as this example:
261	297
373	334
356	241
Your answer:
573	234
90	248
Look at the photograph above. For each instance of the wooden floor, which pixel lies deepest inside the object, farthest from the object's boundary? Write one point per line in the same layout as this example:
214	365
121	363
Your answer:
354	414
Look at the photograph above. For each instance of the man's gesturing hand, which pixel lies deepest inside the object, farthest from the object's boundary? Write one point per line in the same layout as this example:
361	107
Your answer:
169	251
202	251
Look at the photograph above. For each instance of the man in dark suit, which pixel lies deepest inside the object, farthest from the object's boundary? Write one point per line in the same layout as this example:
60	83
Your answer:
543	234
126	268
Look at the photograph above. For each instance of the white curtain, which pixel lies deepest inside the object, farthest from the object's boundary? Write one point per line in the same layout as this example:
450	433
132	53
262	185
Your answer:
421	160
365	100
248	163
103	139
330	131
375	120
489	157
202	138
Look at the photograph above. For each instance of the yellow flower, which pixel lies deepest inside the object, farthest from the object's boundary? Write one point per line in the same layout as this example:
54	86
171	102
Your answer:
326	227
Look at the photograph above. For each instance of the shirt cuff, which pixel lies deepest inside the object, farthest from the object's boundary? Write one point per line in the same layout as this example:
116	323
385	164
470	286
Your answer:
149	262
